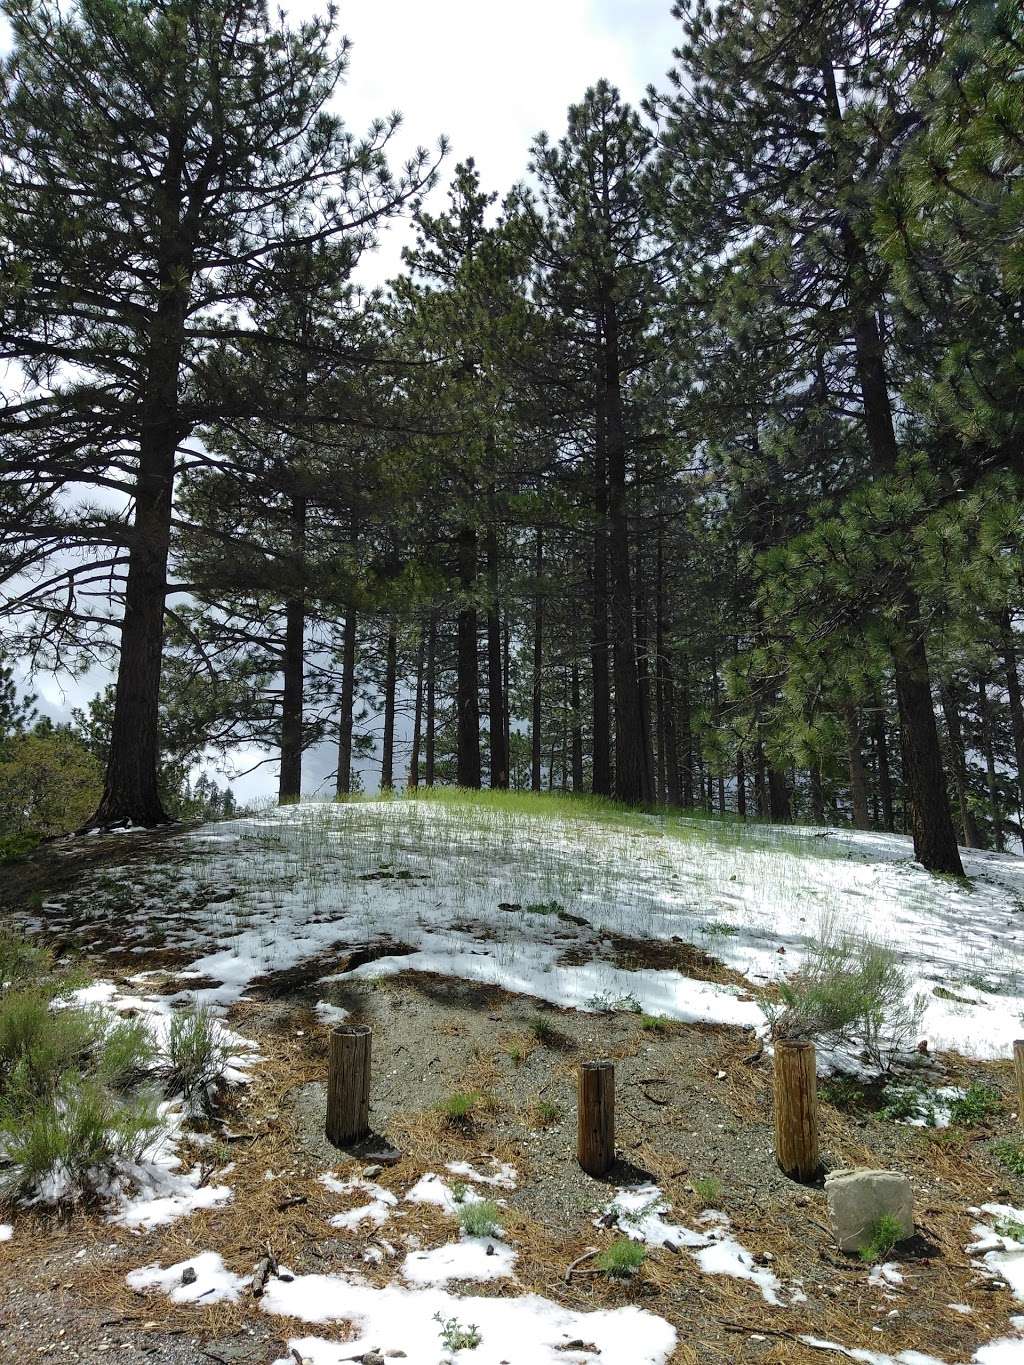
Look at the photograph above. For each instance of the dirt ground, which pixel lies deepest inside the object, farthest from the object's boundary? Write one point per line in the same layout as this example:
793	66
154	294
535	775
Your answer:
693	1104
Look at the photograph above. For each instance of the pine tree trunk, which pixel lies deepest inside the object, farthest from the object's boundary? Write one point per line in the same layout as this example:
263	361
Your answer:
601	774
643	673
779	811
495	695
741	783
290	781
817	796
467	724
858	772
686	739
577	731
131	785
935	843
958	763
538	664
387	764
760	782
431	690
632	775
417	718
348	680
988	740
1009	649
661	787
882	764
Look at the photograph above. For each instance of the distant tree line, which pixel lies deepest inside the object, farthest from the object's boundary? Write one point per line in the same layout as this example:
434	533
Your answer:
688	474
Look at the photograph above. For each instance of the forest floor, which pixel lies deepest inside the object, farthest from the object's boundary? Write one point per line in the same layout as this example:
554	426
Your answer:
491	946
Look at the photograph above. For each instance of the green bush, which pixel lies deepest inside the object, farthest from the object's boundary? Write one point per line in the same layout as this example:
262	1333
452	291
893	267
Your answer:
196	1059
39	1045
976	1106
883	1235
128	1054
479	1218
459	1106
854	992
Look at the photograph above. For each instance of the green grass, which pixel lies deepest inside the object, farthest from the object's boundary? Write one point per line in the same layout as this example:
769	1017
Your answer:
1010	1152
546	1112
976	1106
542	1029
460	1106
622	1259
842	1092
479	1218
653	1023
458	1337
196	1059
708	1190
883	1234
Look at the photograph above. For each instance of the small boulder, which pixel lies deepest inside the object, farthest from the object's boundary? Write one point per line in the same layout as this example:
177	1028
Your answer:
857	1198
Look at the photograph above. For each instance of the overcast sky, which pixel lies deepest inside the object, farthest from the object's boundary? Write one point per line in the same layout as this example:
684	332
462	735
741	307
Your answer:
489	76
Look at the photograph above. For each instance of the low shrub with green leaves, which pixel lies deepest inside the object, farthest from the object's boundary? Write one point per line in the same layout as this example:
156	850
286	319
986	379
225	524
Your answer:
479	1218
850	992
708	1190
458	1337
977	1105
1010	1152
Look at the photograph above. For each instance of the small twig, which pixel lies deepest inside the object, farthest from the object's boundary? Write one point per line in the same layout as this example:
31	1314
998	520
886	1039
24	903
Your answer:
292	1202
571	1269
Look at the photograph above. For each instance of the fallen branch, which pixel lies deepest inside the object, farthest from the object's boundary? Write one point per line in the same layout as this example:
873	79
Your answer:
571	1269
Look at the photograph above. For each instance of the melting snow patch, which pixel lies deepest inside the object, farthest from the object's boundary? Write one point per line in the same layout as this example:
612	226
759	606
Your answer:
6	1232
431	1189
872	1357
887	1274
503	1174
474	1258
376	1211
1001	1254
330	1014
638	1213
407	1320
202	1279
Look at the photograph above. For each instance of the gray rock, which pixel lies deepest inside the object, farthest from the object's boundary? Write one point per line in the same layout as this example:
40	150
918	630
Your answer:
857	1198
188	1275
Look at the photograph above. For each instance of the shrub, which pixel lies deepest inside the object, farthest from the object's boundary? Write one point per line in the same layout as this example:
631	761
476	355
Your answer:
1011	1228
854	992
39	1044
843	1092
68	1144
883	1234
622	1259
456	1337
22	962
127	1055
196	1059
1011	1153
479	1218
542	1028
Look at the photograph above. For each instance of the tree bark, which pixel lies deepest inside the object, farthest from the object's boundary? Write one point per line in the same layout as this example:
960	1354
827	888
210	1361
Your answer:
290	782
538	664
417	719
431	687
495	694
686	739
577	731
601	775
467	761
858	772
882	764
387	764
1009	650
958	762
988	739
348	679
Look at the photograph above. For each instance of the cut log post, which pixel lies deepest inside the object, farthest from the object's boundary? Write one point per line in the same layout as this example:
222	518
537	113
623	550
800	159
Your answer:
1018	1066
796	1110
595	1140
348	1084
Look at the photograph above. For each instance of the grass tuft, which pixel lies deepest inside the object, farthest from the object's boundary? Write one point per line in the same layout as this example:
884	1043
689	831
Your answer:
622	1259
479	1218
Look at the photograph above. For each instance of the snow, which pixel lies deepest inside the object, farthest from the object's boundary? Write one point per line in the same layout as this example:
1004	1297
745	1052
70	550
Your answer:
639	1214
1001	1255
872	1357
503	1174
330	1014
377	1211
472	1258
396	1319
885	1275
6	1232
431	1189
214	1283
292	885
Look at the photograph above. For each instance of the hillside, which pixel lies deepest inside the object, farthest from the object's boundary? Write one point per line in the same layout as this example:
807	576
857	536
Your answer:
493	943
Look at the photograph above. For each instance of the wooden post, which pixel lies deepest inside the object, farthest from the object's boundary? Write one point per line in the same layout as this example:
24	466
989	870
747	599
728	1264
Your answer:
1018	1066
796	1109
595	1139
348	1084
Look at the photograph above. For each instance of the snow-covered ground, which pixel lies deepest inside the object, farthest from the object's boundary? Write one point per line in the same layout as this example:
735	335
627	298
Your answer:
501	897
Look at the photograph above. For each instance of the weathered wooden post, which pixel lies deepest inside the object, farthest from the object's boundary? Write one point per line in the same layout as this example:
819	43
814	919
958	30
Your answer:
796	1109
595	1136
1018	1066
348	1084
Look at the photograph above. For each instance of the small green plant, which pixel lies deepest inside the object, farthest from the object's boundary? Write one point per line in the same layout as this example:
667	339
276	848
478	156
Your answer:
708	1190
653	1023
455	1336
603	1002
1011	1153
842	1092
974	1107
883	1234
546	1112
544	908
622	1259
479	1218
459	1190
459	1107
516	1051
196	1059
128	1054
904	1103
717	928
542	1028
1011	1228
